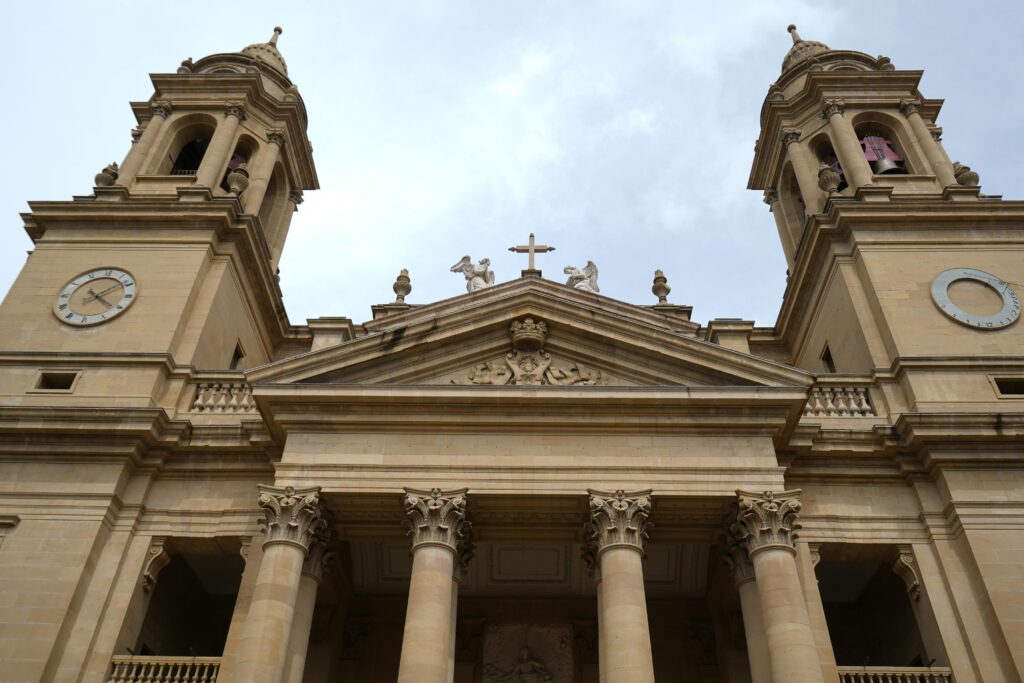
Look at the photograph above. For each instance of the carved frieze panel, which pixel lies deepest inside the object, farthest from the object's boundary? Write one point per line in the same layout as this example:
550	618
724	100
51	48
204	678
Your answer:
528	653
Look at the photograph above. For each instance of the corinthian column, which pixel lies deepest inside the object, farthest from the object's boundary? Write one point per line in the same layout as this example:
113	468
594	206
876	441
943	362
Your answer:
317	559
855	165
211	168
439	529
940	165
735	557
765	524
616	534
805	168
139	152
294	520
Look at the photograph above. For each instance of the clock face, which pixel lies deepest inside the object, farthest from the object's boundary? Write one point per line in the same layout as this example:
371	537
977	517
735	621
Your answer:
95	297
1005	317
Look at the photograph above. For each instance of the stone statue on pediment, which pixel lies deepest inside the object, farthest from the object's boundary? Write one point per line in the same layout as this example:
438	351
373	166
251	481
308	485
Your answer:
583	279
478	276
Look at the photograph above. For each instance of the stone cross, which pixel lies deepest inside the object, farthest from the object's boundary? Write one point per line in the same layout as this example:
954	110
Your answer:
531	249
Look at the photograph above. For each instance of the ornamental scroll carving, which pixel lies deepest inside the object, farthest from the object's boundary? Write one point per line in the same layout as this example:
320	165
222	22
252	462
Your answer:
906	568
528	364
615	520
767	520
292	515
437	517
157	558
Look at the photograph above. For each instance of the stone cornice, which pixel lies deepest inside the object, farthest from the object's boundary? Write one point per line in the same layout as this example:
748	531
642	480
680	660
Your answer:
410	408
223	217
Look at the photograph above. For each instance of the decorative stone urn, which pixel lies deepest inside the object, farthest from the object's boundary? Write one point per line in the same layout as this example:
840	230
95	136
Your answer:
108	176
238	179
828	178
964	175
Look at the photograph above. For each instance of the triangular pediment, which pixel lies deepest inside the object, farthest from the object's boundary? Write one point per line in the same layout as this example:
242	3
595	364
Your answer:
576	339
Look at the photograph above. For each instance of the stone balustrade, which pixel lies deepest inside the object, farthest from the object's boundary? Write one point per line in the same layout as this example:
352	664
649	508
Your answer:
223	397
136	669
828	400
895	674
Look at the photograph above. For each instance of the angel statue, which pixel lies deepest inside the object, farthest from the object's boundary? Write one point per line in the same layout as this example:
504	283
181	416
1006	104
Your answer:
583	279
478	276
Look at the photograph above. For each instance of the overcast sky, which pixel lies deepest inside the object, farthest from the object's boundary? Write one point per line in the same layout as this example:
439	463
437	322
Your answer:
620	132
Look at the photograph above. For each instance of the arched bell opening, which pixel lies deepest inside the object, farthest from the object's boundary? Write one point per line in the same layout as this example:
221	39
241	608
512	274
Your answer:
184	146
883	142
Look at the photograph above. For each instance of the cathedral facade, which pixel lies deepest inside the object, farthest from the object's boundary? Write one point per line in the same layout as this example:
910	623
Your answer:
532	481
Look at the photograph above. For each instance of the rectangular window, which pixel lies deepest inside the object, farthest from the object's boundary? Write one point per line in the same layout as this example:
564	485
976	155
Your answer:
826	359
55	381
236	357
1010	386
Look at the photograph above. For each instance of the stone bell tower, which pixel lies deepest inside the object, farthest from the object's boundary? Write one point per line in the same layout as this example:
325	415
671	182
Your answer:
898	263
172	259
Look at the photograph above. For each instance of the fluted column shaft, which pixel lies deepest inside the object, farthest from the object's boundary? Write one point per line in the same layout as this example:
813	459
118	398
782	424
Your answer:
261	170
139	152
766	522
855	165
305	605
294	518
616	534
439	529
216	157
936	157
805	168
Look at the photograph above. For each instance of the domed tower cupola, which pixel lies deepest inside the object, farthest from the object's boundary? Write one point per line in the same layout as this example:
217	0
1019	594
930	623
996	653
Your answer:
802	50
268	54
231	125
843	126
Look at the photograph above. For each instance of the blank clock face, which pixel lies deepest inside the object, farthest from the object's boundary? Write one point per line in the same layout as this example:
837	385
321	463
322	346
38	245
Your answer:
95	297
1005	317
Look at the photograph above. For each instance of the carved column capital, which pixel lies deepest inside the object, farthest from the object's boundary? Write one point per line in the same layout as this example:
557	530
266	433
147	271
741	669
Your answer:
161	109
295	197
734	554
236	109
617	519
293	515
767	520
908	107
437	517
790	135
936	133
833	107
771	195
320	555
276	136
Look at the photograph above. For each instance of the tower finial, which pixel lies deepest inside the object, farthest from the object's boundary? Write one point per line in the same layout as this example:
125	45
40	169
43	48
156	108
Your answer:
277	32
792	31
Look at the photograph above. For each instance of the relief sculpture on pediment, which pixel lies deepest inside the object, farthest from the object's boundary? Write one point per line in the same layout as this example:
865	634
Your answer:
528	364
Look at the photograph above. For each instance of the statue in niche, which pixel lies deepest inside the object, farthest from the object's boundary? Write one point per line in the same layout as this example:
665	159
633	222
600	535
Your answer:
583	279
478	276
